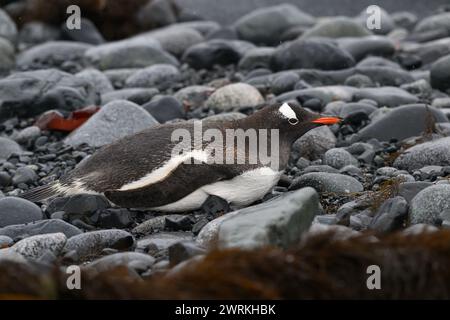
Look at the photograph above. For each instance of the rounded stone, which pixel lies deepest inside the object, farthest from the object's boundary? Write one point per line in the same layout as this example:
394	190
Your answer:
235	95
429	203
339	158
18	211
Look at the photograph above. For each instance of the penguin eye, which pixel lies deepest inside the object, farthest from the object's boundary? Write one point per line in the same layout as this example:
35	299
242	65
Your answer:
293	121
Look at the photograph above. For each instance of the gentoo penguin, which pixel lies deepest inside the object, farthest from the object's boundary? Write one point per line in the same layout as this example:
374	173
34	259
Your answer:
142	170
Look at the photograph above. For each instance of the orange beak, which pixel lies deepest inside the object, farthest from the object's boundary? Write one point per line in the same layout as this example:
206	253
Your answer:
327	120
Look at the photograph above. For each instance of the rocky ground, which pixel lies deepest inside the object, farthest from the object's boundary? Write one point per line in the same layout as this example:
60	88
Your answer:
385	168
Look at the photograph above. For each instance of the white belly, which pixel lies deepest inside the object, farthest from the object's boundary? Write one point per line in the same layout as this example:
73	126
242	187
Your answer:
240	191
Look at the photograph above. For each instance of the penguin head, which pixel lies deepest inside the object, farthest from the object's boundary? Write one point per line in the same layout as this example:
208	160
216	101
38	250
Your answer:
294	121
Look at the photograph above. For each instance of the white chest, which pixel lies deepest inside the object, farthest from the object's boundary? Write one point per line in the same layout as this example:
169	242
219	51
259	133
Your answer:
240	191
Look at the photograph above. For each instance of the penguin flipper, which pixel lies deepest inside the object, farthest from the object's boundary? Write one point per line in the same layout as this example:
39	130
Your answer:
185	179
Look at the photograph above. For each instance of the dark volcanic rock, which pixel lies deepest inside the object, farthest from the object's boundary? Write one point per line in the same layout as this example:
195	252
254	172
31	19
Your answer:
311	54
31	93
400	123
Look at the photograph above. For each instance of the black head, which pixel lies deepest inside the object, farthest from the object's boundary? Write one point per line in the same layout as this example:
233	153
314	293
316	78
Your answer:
291	119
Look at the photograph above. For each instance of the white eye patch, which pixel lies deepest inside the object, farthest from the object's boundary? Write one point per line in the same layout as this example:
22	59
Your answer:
287	112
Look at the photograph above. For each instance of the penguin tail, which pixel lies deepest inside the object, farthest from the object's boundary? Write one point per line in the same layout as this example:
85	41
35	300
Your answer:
42	193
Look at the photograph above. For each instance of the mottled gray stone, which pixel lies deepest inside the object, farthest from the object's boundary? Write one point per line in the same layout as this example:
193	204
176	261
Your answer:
36	246
279	222
328	182
115	120
429	203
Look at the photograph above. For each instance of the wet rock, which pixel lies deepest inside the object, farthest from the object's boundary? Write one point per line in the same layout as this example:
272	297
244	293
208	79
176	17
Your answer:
21	231
280	221
311	54
36	246
429	203
18	211
115	120
328	182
